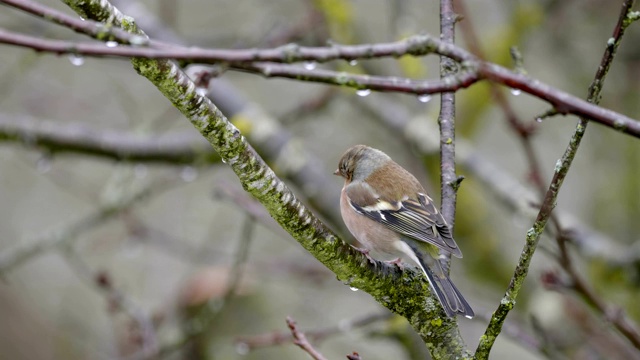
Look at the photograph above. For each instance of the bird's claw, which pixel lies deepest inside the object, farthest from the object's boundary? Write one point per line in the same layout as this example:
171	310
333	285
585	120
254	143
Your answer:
397	262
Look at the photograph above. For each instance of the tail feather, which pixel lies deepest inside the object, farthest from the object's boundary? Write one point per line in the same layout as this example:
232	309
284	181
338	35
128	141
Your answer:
454	302
447	293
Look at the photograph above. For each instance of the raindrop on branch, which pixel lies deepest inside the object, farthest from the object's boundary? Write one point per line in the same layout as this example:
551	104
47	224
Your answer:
424	98
353	62
242	348
111	44
363	92
310	65
76	60
516	92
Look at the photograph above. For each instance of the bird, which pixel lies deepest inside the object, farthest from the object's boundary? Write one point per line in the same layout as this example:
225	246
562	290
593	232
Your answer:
388	211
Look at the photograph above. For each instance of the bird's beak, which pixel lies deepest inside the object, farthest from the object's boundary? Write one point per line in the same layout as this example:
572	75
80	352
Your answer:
337	172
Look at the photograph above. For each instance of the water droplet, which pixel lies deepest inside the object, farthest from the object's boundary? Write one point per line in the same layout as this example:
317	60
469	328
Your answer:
76	59
310	65
516	92
242	348
138	40
189	173
43	165
363	92
538	119
424	98
111	44
353	288
83	19
140	171
353	62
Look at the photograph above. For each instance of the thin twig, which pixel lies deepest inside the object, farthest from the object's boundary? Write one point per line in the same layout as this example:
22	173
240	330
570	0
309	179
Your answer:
279	337
94	29
446	120
300	340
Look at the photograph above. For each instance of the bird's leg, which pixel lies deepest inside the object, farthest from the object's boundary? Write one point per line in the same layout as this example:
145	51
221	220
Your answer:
397	262
365	252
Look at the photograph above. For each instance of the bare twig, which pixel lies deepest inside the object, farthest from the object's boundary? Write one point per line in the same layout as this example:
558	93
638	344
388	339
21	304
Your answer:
446	120
279	337
97	30
360	82
300	340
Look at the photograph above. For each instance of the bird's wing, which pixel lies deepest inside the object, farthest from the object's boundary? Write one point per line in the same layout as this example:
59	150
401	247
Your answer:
416	218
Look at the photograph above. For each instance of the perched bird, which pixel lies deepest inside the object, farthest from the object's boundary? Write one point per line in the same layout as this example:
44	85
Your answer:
389	212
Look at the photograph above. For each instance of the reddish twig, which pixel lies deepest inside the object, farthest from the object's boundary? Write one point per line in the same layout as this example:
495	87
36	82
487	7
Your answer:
279	338
300	340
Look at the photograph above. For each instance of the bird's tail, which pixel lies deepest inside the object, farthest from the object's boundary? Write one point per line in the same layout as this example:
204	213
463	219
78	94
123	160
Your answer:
447	293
